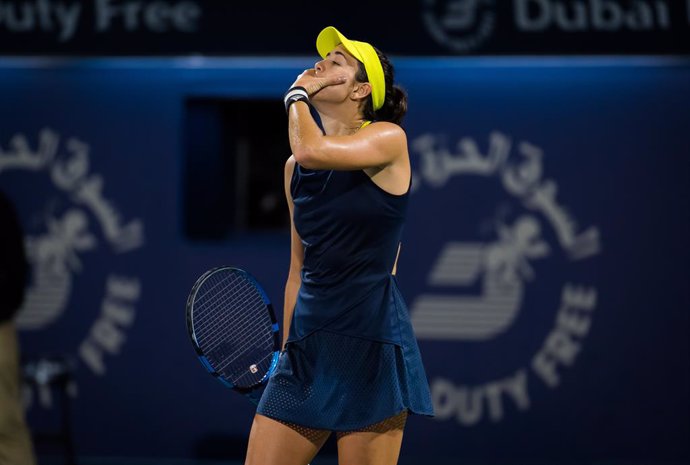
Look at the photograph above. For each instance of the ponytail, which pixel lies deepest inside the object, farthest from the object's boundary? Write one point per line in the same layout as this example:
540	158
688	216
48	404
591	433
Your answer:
395	101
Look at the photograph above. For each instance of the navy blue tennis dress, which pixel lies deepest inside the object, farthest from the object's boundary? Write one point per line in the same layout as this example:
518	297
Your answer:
351	358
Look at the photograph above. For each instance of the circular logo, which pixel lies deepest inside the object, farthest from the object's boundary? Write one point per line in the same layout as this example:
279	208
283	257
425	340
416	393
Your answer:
72	224
480	284
459	25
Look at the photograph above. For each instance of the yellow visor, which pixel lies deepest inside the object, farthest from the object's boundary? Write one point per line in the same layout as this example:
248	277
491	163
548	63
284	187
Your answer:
330	38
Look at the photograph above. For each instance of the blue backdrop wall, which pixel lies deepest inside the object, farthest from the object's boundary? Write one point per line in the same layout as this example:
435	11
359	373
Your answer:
544	260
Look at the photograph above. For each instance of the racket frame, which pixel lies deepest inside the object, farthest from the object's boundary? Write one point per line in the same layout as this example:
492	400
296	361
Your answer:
189	314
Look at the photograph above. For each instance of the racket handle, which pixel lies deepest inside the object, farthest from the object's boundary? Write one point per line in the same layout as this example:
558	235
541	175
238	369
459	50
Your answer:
254	395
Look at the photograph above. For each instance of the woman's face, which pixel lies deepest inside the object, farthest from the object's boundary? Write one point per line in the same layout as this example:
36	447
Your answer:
339	62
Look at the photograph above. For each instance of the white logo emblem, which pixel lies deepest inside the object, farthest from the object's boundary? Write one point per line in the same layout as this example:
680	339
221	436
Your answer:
478	288
459	25
77	220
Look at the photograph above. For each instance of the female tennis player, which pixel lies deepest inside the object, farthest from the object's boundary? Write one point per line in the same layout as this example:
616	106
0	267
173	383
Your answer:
350	363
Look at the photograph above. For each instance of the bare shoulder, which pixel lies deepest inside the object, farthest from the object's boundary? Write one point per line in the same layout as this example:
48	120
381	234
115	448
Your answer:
388	135
385	128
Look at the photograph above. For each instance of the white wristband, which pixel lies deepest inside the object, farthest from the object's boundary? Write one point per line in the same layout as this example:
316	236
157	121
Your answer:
295	94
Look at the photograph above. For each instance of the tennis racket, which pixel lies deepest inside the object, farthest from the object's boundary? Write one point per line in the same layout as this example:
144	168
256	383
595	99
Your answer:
233	329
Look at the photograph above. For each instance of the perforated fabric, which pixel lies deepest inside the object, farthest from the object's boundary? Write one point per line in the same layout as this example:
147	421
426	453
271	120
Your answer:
342	383
338	383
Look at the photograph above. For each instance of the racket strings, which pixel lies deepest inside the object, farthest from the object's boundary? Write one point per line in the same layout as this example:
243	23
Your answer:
219	295
248	341
234	328
245	342
245	348
226	303
244	370
235	323
264	363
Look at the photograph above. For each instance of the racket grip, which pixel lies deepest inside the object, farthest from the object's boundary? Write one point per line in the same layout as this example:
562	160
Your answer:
254	395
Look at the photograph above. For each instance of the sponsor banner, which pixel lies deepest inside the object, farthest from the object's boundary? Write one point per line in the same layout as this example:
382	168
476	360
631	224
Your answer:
430	27
544	260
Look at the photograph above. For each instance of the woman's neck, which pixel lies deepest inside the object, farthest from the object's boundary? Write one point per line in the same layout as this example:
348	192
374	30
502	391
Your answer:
341	124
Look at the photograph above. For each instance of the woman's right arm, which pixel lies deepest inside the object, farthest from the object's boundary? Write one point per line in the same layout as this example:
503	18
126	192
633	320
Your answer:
294	279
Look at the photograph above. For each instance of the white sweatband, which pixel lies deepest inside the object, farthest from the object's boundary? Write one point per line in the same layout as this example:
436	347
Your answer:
295	94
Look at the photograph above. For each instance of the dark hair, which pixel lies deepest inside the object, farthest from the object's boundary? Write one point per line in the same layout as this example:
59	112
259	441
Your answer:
395	101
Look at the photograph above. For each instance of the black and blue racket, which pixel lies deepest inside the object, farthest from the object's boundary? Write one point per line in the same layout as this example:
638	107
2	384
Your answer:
233	328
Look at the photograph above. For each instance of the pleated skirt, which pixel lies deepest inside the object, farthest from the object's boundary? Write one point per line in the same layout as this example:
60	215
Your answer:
338	382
